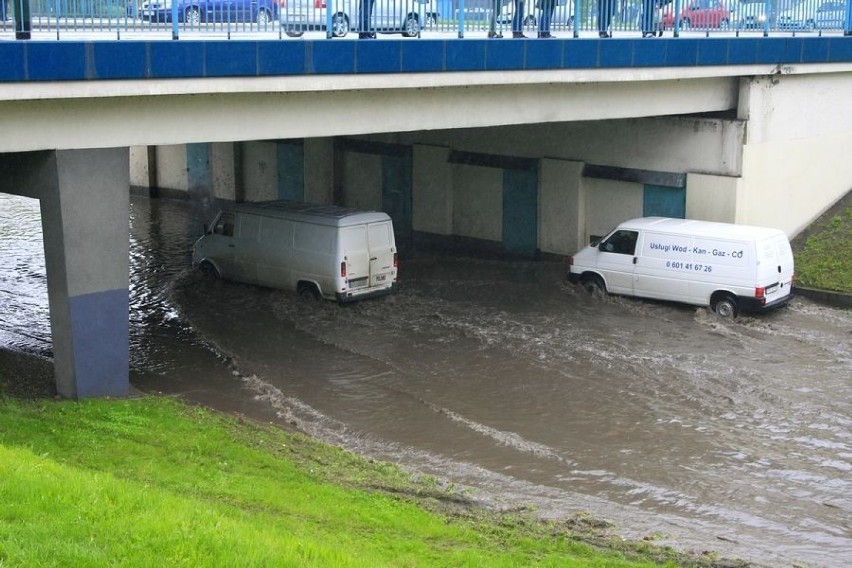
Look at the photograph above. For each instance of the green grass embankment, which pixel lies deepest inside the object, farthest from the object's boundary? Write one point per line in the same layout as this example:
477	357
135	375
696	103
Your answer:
824	256
154	482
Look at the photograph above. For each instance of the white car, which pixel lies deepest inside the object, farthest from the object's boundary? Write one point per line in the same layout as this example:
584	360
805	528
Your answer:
830	15
751	14
406	17
798	16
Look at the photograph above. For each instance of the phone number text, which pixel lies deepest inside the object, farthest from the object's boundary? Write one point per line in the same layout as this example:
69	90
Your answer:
688	266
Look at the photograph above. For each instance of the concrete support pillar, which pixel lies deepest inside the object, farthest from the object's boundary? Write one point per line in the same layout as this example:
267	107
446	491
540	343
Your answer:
259	170
85	218
319	182
222	170
432	194
712	198
561	206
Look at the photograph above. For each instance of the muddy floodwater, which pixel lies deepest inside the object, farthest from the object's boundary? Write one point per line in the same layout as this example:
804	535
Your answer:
499	376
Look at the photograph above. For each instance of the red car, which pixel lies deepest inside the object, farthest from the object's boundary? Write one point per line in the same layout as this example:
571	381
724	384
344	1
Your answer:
700	14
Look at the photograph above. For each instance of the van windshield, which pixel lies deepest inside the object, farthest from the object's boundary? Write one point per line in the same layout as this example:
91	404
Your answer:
621	242
596	240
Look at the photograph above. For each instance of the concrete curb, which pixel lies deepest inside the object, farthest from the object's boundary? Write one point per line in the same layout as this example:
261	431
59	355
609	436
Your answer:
836	299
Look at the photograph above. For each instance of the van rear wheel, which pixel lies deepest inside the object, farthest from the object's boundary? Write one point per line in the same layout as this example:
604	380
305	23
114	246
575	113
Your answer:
308	292
725	307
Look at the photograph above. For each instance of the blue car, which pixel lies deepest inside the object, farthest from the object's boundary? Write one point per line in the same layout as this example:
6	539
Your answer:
195	12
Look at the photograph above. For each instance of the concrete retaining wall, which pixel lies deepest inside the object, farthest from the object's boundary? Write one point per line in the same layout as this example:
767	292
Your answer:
772	164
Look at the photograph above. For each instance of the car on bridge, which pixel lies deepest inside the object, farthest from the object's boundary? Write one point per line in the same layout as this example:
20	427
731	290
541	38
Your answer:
798	16
830	15
699	14
752	14
406	17
197	12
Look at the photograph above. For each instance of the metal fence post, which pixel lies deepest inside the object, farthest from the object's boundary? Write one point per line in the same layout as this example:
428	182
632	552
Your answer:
175	34
676	8
461	19
23	19
578	11
768	11
847	24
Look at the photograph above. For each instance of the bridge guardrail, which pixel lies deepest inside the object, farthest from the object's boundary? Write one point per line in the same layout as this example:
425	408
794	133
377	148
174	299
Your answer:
55	19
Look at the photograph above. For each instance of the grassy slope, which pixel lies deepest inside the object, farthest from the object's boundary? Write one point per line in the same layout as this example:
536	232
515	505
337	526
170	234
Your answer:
154	482
824	256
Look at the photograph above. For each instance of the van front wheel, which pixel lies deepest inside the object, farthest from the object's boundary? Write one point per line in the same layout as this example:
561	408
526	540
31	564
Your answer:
594	286
725	307
208	270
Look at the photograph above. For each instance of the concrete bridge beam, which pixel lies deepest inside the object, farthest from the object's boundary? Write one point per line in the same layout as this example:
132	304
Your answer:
85	208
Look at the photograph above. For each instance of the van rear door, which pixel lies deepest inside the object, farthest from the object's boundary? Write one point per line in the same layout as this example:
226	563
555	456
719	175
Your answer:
775	269
356	253
382	247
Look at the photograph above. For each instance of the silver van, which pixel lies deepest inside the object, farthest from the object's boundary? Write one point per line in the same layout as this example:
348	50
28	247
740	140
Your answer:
319	251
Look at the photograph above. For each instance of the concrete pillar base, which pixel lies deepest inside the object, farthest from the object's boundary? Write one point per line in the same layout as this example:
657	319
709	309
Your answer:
85	219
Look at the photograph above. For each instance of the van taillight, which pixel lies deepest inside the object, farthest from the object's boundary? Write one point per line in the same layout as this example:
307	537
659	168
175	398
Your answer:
343	269
760	292
396	260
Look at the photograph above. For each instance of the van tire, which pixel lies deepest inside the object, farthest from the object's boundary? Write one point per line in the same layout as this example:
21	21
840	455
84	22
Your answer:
208	270
725	307
594	286
307	292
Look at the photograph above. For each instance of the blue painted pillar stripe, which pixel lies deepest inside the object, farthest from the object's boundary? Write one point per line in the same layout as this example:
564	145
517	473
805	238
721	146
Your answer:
85	206
100	339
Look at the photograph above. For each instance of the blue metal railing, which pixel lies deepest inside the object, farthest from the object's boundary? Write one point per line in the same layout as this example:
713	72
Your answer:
418	18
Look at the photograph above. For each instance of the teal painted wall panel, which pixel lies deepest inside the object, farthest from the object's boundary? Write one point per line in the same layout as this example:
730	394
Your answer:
198	169
396	194
659	201
520	211
291	171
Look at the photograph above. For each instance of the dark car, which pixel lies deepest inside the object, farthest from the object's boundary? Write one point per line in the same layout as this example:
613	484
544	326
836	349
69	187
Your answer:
194	12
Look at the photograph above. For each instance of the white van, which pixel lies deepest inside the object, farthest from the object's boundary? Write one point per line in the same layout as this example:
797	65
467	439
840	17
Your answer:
730	268
316	250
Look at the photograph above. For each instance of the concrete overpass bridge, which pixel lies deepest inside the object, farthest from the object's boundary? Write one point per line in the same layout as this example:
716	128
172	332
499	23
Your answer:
525	146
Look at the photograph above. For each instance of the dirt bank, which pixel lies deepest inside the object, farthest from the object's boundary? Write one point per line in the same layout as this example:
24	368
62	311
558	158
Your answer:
23	375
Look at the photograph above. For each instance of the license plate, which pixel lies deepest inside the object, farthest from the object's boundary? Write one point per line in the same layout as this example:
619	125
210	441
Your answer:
381	277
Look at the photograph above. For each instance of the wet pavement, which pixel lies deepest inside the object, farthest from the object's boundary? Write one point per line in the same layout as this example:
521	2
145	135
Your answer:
498	375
